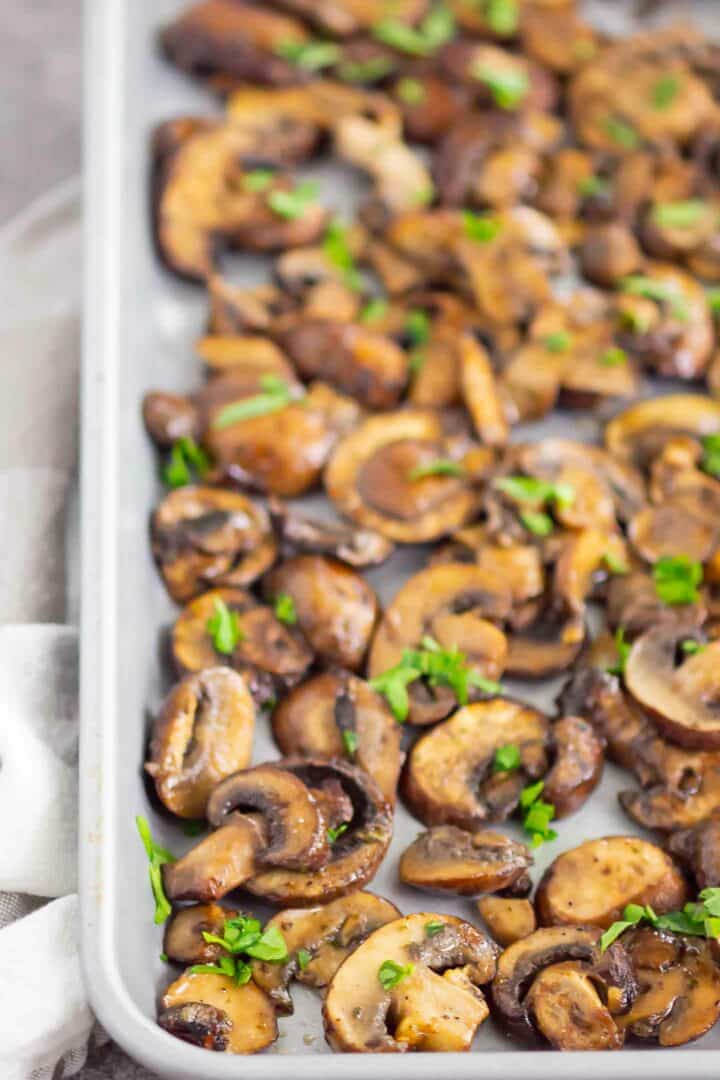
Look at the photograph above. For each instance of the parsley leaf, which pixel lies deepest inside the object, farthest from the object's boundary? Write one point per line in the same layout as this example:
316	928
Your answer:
350	741
303	958
284	608
224	628
665	91
711	455
393	684
591	186
613	357
502	16
410	91
623	648
622	133
537	522
480	227
677	579
508	86
309	55
660	291
364	71
507	758
374	309
437	27
692	648
276	395
391	974
258	179
537	814
614	564
558	342
417	326
434	928
234	969
185	456
528	489
337	249
157	857
632	915
713	299
679	215
293	204
244	935
438	467
334	833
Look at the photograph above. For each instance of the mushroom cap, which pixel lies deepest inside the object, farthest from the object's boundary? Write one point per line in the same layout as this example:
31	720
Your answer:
217	864
567	1010
448	777
509	918
203	733
593	883
328	714
204	537
431	1009
639	433
448	859
211	1010
328	934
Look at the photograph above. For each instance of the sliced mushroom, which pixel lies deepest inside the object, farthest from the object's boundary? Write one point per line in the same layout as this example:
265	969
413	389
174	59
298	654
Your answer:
335	715
593	883
248	355
295	827
683	699
203	733
334	606
356	547
169	417
609	253
585	1006
219	863
205	537
577	768
356	852
557	36
698	848
437	1006
318	940
679	987
508	918
212	1011
638	434
448	859
633	603
402	180
369	478
448	778
343	18
480	393
184	943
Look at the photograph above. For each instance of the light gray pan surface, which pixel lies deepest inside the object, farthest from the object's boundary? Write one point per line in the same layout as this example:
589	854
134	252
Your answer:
140	327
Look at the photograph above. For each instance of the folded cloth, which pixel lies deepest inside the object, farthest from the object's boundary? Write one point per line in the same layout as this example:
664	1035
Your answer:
45	1021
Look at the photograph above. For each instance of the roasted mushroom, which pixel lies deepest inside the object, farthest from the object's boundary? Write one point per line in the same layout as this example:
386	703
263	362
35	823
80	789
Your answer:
592	884
578	1003
203	733
508	918
205	537
335	715
212	1011
168	418
430	998
448	859
639	434
184	943
318	940
299	533
698	849
219	863
578	765
332	605
449	776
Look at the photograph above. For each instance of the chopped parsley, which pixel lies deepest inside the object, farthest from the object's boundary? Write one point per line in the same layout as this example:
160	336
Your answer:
432	929
614	564
157	858
391	974
679	215
374	309
185	457
284	608
258	179
613	357
591	186
622	647
677	579
350	741
309	55
508	86
507	758
293	204
436	28
365	71
537	522
276	395
502	16
410	91
710	462
337	250
438	467
528	489
480	227
537	814
334	833
699	918
622	133
558	342
237	970
665	91
660	291
303	958
417	326
713	299
223	626
243	935
692	648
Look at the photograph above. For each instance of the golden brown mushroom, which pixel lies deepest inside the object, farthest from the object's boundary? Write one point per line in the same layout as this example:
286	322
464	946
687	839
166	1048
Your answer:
183	941
698	849
301	533
508	918
578	765
212	1011
448	859
639	433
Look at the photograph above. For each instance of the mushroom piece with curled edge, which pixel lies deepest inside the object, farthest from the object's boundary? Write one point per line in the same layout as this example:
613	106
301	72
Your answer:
211	1010
413	985
638	434
556	983
449	777
683	698
268	652
344	18
578	765
384	476
609	253
451	860
509	918
685	231
698	849
402	180
592	884
204	537
335	715
184	943
318	940
320	103
203	733
481	394
678	996
299	533
448	607
632	602
202	199
169	418
334	607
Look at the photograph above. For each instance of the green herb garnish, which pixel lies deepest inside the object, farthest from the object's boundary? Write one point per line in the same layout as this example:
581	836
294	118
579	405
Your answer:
665	91
677	579
692	648
679	215
614	564
258	179
622	648
537	814
185	457
310	55
537	522
276	395
710	462
244	935
713	299
528	489
502	16
508	86
410	91
632	915
438	467
223	626
391	974
393	684
507	758
237	970
434	928
157	857
350	742
293	204
591	186
284	608
480	227
374	309
365	71
337	831
558	342
613	357
660	291
437	27
303	958
337	250
699	918
417	326
622	133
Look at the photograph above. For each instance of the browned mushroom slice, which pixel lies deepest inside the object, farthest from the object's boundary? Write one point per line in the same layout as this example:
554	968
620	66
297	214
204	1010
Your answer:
639	433
609	253
296	836
521	964
203	733
283	449
557	36
320	103
578	765
356	360
429	104
448	859
380	476
217	864
333	605
402	180
212	1011
204	537
633	603
480	393
343	18
248	355
679	987
201	199
335	715
449	776
567	1010
169	417
183	942
225	42
683	699
434	1005
508	918
698	849
684	231
591	885
356	547
266	651
612	98
498	78
237	309
318	939
357	850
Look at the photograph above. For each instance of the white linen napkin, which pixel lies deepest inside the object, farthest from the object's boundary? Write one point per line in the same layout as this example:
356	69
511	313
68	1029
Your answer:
45	1020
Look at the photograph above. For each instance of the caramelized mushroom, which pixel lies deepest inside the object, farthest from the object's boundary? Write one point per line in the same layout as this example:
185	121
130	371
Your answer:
318	940
698	849
448	859
184	943
448	777
212	1011
205	537
593	883
508	918
402	180
436	1006
577	768
203	733
638	434
217	864
169	417
336	715
333	605
299	533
